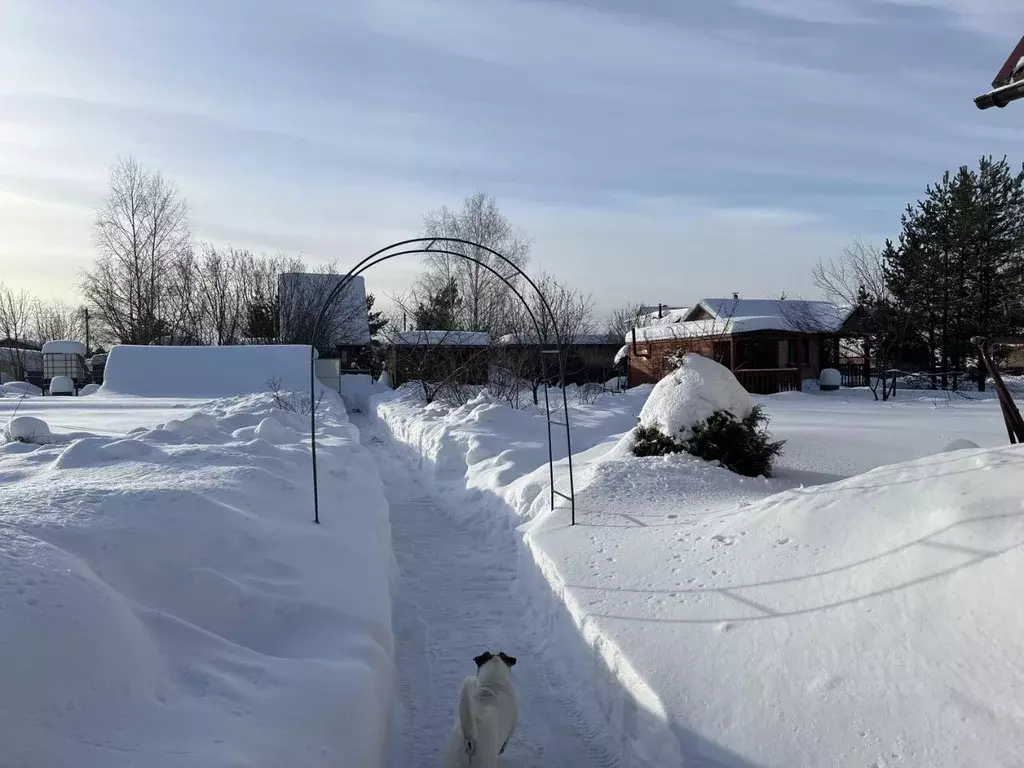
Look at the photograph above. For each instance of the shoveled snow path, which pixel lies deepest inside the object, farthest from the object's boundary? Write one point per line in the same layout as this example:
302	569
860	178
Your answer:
456	597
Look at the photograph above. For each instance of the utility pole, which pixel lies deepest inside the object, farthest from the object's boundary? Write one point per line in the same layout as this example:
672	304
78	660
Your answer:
86	311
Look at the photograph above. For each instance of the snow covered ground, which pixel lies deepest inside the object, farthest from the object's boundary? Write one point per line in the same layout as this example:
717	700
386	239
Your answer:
166	598
803	620
456	597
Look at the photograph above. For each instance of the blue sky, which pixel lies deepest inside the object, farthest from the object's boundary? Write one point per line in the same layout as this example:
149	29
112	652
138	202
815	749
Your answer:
655	150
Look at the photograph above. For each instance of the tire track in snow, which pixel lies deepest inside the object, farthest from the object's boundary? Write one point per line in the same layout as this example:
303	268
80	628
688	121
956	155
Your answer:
456	597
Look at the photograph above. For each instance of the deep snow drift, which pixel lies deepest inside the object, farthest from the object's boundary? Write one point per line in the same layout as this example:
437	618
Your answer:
205	371
782	622
167	600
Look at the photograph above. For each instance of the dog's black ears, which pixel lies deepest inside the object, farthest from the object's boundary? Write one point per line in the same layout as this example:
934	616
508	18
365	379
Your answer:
509	660
483	658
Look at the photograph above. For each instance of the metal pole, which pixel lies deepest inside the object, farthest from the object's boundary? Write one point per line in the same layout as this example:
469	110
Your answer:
312	426
547	414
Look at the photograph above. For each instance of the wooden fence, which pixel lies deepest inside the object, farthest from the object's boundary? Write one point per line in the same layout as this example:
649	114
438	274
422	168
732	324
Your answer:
768	381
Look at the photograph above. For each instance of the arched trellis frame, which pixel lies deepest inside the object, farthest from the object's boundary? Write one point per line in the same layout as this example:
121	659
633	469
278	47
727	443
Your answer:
415	246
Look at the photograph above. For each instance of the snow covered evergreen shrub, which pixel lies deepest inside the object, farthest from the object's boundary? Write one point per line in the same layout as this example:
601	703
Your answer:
651	441
702	409
743	446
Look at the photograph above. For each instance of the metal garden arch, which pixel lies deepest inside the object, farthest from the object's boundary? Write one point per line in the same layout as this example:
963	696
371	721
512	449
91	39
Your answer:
416	246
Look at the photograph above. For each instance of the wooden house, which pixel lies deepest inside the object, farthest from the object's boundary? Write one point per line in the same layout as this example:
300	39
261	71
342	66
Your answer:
770	345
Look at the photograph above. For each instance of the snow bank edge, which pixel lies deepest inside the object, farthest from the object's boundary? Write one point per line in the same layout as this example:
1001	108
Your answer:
625	704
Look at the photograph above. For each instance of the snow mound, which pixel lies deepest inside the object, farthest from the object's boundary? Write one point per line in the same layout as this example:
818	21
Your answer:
89	389
62	385
960	444
26	429
274	432
91	451
173	604
20	388
691	394
205	371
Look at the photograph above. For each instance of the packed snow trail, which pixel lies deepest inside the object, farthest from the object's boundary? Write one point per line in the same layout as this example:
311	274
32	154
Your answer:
457	597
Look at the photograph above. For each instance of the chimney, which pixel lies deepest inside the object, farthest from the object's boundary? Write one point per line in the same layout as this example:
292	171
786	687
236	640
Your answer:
735	296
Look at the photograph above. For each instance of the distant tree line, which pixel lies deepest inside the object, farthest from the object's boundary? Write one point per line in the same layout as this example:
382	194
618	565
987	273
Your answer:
151	282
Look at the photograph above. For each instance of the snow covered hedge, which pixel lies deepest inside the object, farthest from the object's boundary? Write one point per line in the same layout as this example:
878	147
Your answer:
701	408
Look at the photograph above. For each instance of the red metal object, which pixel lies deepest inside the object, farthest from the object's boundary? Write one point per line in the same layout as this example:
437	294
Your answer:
1005	74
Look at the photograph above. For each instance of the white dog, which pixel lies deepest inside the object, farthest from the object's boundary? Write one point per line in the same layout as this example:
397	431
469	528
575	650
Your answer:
487	714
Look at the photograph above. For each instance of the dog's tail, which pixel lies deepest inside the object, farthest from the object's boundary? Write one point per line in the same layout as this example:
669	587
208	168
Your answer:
469	687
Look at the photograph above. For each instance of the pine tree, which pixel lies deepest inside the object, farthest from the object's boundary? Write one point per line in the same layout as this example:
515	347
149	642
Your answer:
377	320
959	268
440	311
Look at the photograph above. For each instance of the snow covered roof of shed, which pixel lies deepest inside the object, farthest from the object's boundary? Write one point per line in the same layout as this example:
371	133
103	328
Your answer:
584	340
441	338
721	317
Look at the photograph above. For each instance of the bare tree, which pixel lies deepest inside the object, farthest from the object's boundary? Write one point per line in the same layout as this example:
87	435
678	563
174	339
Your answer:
141	231
448	366
220	295
58	320
259	284
302	296
184	318
482	291
858	279
625	319
17	310
572	315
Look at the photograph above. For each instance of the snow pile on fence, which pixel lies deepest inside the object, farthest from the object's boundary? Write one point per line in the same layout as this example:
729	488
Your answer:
168	600
691	394
734	621
205	371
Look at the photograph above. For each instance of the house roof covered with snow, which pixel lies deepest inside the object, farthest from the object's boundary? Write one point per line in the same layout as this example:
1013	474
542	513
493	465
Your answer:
441	339
723	317
669	316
